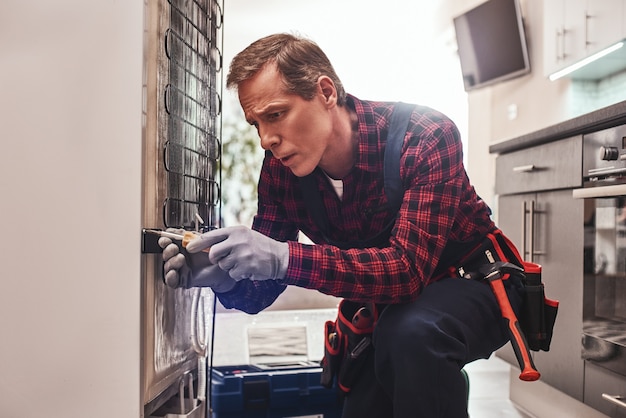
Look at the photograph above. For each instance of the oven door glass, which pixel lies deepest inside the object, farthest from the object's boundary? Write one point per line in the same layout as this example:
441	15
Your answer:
604	307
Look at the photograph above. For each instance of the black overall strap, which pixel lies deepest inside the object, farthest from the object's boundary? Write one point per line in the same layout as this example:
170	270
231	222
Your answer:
395	139
313	202
391	170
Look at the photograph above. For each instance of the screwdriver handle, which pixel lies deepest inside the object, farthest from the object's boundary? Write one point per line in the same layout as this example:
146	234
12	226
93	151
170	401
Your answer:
518	341
190	236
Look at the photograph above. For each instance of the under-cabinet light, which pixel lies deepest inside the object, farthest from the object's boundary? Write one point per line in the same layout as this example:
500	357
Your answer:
585	61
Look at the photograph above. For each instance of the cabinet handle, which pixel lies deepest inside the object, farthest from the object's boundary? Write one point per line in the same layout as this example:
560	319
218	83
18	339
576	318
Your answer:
524	168
587	17
558	45
615	399
528	238
563	33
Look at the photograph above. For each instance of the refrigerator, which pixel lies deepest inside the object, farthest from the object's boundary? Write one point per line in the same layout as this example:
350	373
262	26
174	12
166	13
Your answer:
181	189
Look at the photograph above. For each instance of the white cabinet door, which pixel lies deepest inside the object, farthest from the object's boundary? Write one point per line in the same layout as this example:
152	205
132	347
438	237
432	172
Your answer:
573	48
563	32
553	16
575	29
603	24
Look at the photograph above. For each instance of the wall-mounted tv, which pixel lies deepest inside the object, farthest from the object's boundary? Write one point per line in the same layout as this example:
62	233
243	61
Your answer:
491	43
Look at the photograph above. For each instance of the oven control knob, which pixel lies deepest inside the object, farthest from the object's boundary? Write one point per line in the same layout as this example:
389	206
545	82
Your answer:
609	153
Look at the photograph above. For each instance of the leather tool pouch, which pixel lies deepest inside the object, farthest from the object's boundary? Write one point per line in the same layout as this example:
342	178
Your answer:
538	313
347	344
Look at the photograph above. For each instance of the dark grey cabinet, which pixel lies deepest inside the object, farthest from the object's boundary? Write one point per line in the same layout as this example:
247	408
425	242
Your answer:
536	210
557	244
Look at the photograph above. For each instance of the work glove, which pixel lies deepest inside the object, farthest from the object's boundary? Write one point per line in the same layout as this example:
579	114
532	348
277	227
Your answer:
244	253
183	269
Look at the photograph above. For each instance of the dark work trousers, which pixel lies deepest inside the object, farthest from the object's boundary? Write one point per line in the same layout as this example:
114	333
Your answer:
421	347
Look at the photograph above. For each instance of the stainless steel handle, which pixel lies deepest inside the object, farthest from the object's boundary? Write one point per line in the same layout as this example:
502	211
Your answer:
587	16
615	399
563	33
558	37
524	168
596	192
528	230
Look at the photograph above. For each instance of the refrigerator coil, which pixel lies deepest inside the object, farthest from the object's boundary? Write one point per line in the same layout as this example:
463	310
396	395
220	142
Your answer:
193	106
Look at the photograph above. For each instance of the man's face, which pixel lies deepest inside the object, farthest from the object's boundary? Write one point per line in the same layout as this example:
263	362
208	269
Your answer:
295	130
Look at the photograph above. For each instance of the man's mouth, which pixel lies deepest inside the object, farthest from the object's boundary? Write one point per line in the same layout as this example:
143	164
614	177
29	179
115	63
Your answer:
286	159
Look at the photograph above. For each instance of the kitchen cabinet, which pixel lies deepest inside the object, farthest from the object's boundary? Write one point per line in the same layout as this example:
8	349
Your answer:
537	212
576	29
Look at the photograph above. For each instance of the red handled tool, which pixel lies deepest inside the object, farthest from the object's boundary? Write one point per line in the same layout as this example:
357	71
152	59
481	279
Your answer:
363	318
520	346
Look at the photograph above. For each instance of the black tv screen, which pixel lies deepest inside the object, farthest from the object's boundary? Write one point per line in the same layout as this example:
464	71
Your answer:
491	43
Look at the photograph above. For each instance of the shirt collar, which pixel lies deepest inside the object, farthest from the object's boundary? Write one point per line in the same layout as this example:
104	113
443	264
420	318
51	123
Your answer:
369	154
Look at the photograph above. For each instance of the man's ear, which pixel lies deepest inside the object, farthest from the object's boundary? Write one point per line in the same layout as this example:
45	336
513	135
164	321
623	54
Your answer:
328	90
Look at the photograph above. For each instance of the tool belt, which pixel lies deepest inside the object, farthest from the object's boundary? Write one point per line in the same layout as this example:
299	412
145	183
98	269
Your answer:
348	344
537	314
348	339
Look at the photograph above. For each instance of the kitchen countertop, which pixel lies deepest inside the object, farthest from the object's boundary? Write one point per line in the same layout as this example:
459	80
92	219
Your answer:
606	117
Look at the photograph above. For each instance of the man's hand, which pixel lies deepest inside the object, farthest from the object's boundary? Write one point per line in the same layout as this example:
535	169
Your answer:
182	269
244	253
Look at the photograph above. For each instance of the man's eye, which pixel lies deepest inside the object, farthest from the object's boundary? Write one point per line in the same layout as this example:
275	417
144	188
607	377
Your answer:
274	115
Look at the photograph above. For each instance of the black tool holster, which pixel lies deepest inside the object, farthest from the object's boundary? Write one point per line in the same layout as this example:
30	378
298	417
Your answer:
347	344
537	314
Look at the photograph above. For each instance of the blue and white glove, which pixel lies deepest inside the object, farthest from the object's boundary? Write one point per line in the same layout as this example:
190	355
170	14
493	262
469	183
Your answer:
244	253
183	269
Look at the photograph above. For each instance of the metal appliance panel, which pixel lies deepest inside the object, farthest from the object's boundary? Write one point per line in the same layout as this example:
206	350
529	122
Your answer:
604	153
182	110
604	294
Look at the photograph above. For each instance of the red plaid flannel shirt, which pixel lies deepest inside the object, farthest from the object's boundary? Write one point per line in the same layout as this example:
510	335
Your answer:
440	210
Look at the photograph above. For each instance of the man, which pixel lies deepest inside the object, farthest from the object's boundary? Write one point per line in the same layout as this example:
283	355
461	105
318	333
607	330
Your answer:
431	323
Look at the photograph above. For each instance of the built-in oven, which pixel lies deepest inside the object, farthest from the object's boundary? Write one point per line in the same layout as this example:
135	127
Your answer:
604	289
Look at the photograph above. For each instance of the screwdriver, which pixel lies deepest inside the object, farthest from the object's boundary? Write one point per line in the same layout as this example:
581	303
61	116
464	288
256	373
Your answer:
185	238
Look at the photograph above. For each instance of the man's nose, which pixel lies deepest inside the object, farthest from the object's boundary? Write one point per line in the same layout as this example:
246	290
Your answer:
269	139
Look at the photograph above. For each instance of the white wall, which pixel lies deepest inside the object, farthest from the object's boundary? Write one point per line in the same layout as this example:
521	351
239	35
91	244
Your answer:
406	51
539	103
70	205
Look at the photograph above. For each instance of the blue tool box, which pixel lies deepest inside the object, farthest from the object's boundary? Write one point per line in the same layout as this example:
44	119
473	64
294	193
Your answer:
272	391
